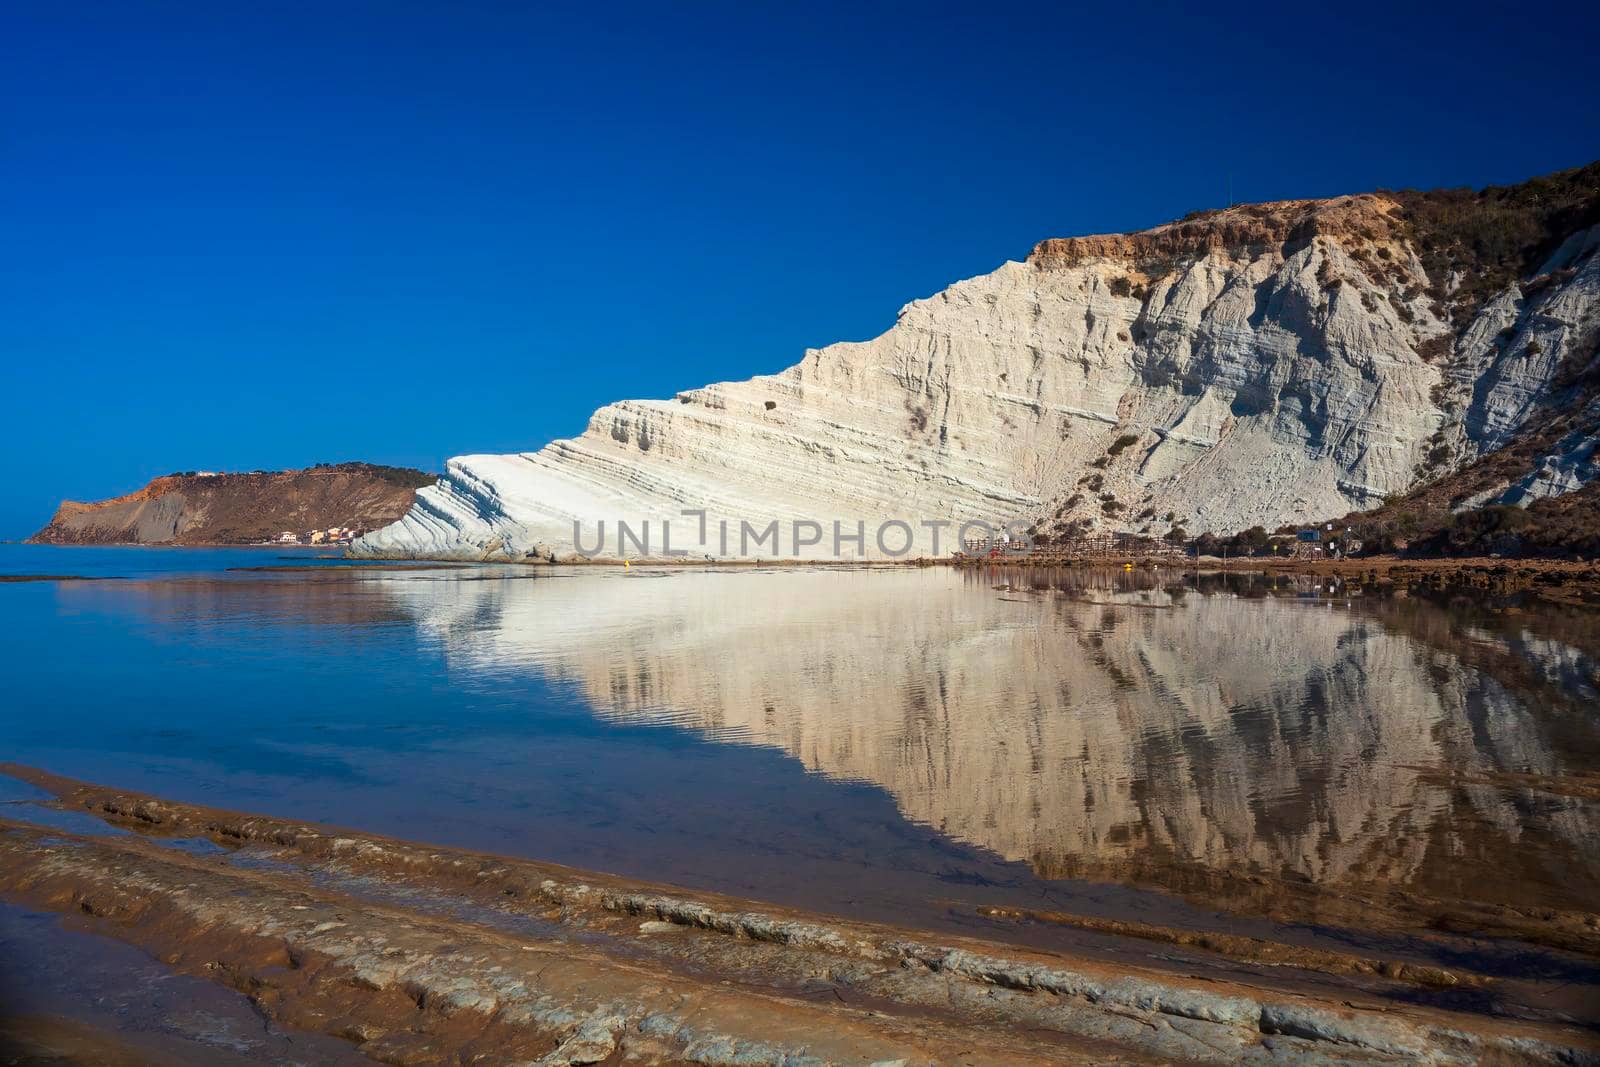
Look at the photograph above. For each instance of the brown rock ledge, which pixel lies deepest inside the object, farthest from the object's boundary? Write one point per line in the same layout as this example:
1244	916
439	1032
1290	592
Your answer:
430	955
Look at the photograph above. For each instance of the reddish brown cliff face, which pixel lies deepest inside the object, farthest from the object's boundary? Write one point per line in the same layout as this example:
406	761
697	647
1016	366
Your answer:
194	509
1367	217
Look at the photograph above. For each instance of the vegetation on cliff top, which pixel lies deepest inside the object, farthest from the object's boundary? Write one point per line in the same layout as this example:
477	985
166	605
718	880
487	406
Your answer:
1488	238
405	477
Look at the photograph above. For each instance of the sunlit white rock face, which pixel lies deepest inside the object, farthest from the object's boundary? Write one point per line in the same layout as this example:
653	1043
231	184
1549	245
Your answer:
1132	382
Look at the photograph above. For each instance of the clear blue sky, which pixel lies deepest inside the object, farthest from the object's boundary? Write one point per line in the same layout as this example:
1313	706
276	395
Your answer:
241	235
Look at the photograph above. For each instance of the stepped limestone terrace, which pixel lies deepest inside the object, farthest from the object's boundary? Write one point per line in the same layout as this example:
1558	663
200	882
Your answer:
1265	364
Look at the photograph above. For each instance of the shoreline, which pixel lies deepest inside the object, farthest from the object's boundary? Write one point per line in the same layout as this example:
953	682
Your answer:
1570	582
1348	565
418	953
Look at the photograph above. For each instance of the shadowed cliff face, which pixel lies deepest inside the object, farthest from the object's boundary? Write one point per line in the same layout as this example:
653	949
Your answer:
1100	731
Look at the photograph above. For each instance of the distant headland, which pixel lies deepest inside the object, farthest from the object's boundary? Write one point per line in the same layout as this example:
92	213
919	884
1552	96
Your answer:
328	503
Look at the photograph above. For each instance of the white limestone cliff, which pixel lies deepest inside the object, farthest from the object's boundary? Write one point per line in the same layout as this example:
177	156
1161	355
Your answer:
1271	364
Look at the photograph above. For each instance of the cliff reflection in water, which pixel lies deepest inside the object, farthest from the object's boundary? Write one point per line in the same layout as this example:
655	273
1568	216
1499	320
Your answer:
1095	729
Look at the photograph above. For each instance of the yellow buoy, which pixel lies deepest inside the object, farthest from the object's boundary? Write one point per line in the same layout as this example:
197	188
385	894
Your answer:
626	565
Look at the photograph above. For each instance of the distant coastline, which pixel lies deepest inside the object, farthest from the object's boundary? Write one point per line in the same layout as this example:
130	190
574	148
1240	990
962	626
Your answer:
328	504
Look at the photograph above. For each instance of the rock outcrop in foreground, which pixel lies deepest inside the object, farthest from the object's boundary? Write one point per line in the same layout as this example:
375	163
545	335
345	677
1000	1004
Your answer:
1266	364
427	955
221	509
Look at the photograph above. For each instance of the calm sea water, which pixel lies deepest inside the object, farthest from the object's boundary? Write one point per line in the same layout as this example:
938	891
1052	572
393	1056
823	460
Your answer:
897	743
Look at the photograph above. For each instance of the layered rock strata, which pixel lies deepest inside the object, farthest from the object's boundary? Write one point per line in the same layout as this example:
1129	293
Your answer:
1267	364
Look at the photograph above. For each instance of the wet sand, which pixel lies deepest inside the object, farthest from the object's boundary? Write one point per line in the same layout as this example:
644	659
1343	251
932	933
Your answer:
417	954
73	997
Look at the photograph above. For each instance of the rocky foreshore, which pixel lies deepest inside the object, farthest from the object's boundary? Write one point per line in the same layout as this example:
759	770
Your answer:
419	955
